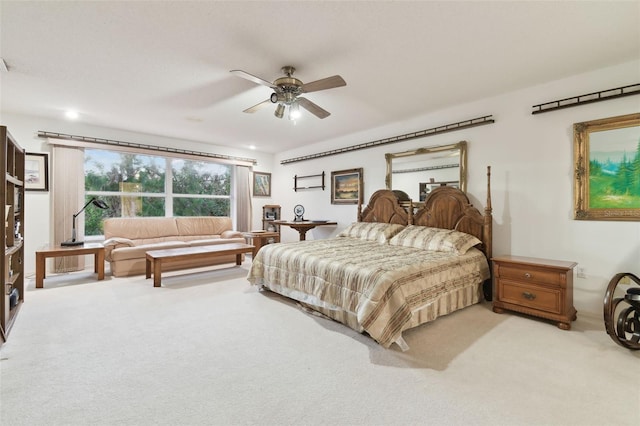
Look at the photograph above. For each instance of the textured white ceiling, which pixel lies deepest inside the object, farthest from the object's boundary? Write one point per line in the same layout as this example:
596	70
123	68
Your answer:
163	67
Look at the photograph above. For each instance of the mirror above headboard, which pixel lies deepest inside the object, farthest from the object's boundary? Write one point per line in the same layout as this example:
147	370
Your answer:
418	171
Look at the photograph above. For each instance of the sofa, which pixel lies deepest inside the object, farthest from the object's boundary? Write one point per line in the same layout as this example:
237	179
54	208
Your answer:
127	239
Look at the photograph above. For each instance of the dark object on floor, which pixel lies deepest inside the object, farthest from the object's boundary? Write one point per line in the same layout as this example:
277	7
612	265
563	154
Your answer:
625	330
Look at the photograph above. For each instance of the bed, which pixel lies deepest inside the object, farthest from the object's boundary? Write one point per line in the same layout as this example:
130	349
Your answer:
397	267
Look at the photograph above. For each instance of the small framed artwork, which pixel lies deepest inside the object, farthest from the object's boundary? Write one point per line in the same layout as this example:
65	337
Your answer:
606	156
36	171
346	186
261	184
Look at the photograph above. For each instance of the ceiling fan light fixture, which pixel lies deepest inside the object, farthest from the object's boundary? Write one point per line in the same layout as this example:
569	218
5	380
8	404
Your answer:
279	111
294	111
287	92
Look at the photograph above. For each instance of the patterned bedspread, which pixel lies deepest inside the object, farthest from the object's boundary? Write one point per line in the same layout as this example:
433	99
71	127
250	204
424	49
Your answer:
380	284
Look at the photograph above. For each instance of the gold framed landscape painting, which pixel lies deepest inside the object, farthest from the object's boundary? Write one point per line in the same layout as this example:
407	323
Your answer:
607	168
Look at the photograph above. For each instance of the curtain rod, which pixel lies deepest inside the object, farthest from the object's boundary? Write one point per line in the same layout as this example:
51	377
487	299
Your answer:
44	134
487	119
588	98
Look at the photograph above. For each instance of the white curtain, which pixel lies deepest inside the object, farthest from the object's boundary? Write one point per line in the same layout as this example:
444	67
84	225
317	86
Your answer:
243	201
68	198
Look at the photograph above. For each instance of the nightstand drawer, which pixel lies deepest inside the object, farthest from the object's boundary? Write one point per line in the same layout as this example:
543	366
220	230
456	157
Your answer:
530	296
527	274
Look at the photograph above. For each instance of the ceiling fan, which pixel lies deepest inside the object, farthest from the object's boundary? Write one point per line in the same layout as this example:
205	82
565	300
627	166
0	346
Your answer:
287	91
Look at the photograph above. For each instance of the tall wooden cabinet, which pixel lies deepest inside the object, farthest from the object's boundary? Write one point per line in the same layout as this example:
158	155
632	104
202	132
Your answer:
12	262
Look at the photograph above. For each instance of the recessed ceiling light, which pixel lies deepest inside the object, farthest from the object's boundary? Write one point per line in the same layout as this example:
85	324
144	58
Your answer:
252	147
72	115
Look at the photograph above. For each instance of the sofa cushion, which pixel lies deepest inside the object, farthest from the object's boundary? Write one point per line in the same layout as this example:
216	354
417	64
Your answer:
116	242
140	228
231	234
203	225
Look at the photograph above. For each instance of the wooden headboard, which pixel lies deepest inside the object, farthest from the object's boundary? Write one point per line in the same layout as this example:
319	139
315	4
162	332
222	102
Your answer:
445	207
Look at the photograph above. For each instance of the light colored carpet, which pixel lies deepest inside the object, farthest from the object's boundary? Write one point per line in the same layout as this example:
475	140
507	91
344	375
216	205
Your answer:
208	349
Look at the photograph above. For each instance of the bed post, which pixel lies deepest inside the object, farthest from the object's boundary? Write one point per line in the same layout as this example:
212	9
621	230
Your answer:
410	212
359	218
488	219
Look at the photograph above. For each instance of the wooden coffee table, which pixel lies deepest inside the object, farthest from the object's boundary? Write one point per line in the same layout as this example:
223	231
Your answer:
58	251
157	258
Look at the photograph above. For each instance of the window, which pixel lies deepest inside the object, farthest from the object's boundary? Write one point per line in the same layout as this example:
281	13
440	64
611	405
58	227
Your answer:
200	188
149	185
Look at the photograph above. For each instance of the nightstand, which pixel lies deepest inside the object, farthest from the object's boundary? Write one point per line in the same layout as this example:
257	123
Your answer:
538	287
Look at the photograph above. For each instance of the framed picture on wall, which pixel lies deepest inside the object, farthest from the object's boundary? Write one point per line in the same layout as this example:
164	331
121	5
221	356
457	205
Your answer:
606	154
36	171
261	184
346	186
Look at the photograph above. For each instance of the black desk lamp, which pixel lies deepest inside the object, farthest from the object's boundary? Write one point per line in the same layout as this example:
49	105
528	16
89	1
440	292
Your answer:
73	242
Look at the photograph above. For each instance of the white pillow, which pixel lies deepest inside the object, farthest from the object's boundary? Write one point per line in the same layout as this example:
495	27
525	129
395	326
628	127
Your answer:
371	231
435	239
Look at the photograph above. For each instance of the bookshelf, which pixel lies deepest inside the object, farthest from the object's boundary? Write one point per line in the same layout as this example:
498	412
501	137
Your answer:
271	212
12	262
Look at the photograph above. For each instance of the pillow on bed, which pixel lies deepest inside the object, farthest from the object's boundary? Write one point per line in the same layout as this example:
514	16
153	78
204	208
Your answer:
372	231
435	239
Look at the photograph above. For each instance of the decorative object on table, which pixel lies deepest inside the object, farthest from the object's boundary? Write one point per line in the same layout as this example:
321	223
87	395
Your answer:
604	154
625	329
36	171
74	241
298	211
346	186
261	184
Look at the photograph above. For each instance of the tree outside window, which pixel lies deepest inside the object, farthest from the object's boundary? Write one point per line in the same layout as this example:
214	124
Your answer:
137	185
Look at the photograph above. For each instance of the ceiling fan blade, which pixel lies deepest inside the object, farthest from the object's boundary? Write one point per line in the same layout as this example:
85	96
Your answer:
313	108
324	84
258	106
253	78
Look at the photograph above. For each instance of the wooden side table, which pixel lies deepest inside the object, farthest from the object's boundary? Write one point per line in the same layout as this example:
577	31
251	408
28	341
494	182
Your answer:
538	287
259	239
58	251
303	226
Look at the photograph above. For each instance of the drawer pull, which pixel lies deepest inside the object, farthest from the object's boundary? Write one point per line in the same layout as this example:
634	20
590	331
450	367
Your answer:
528	296
527	275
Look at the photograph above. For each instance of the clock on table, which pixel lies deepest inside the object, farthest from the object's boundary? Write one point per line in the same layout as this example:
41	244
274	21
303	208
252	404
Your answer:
298	210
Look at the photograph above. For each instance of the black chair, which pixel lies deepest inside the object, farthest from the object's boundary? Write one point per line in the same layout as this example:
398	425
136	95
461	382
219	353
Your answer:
625	330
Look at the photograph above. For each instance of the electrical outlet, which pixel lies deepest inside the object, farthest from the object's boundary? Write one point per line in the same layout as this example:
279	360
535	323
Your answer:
582	273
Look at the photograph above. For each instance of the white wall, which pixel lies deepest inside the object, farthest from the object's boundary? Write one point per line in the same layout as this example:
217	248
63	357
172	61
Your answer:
38	229
531	157
532	175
